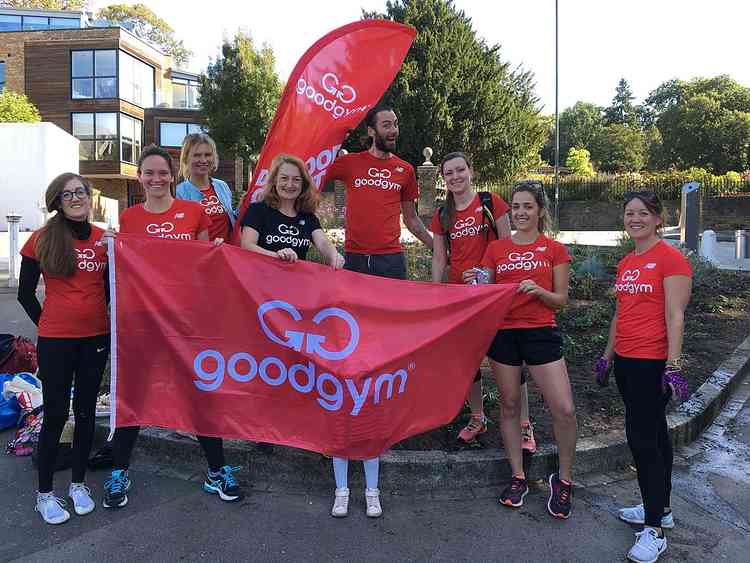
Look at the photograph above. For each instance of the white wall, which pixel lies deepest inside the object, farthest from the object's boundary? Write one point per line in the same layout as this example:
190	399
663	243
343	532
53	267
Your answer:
31	155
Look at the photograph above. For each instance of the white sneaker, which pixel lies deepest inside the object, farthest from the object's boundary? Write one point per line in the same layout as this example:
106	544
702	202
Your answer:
372	498
340	503
648	546
51	508
637	515
80	494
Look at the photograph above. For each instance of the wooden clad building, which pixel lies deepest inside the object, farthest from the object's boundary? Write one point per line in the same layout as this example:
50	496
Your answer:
113	91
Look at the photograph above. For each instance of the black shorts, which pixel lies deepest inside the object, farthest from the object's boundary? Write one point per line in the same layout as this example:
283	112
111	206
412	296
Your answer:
534	346
384	265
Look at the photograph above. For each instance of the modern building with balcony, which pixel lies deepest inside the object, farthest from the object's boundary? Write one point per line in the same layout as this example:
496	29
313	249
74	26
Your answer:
112	90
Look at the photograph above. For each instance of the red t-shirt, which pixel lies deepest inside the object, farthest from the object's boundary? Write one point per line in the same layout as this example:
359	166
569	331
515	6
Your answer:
375	188
75	307
184	220
469	235
514	263
216	213
641	329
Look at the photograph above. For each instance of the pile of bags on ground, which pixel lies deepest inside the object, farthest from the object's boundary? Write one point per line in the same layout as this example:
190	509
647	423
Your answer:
21	399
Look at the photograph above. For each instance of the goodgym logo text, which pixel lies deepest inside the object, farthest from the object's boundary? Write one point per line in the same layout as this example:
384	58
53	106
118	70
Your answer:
468	228
525	261
331	94
166	230
87	260
377	178
210	366
628	283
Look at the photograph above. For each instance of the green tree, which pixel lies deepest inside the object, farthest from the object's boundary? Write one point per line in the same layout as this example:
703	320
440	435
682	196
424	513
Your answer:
704	123
144	23
579	126
16	108
622	110
454	92
620	148
239	94
579	162
73	5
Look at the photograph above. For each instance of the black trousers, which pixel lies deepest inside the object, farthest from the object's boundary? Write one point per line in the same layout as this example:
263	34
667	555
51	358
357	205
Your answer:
639	382
125	437
384	265
63	361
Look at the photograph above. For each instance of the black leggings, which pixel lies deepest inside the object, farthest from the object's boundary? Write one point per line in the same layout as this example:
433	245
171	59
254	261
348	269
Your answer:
639	382
124	442
61	362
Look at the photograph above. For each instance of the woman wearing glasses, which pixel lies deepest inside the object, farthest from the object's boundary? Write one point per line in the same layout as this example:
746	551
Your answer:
652	287
73	333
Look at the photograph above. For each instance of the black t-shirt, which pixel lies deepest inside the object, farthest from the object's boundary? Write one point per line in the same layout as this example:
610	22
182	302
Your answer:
277	231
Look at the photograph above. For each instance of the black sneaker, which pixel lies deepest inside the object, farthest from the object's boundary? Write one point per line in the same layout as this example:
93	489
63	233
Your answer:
513	494
116	489
560	497
224	484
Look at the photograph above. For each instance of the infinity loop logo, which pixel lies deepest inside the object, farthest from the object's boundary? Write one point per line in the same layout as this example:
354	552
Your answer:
86	254
156	228
379	173
295	339
462	224
517	256
631	275
289	230
346	94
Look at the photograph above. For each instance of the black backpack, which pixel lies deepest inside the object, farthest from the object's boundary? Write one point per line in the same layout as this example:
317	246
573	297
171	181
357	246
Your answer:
488	215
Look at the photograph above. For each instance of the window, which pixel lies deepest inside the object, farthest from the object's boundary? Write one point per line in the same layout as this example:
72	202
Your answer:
93	74
136	81
172	134
185	93
32	23
2	76
97	133
64	23
130	138
10	23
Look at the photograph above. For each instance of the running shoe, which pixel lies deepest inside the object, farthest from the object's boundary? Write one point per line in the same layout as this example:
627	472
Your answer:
372	498
514	493
340	503
116	489
51	508
80	494
637	515
224	484
477	425
528	443
648	546
560	497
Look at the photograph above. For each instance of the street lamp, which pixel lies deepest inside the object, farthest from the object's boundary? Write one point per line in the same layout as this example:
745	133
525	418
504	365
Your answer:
557	125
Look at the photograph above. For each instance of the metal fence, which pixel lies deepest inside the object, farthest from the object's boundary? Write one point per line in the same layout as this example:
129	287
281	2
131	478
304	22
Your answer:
614	187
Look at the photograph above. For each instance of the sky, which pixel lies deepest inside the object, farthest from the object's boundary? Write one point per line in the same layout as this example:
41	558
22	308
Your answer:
644	41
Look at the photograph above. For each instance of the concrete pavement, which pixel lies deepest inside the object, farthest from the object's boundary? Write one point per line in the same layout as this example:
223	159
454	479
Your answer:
170	519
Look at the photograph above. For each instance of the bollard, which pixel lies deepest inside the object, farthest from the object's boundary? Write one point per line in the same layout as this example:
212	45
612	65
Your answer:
690	215
14	264
741	250
709	246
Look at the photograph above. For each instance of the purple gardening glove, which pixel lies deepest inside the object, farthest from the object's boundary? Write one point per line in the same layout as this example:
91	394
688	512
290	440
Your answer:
673	379
602	369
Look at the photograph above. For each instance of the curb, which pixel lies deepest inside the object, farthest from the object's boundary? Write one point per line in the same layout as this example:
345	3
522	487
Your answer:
410	470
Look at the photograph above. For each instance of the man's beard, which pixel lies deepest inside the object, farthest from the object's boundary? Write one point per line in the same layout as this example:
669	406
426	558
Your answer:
382	145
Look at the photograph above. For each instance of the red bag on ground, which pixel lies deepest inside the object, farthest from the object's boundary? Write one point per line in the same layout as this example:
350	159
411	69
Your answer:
17	354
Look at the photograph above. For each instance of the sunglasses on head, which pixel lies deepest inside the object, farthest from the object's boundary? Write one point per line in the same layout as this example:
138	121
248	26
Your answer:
645	195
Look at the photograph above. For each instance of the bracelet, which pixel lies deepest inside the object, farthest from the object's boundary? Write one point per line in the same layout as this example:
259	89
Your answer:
675	363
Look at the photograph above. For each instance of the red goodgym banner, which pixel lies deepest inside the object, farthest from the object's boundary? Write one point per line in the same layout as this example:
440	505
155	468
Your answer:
222	341
328	93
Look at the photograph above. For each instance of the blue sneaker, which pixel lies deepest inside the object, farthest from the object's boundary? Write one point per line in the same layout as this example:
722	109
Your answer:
115	490
224	484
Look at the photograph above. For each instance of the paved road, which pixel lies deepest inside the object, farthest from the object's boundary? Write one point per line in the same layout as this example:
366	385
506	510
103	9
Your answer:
170	519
